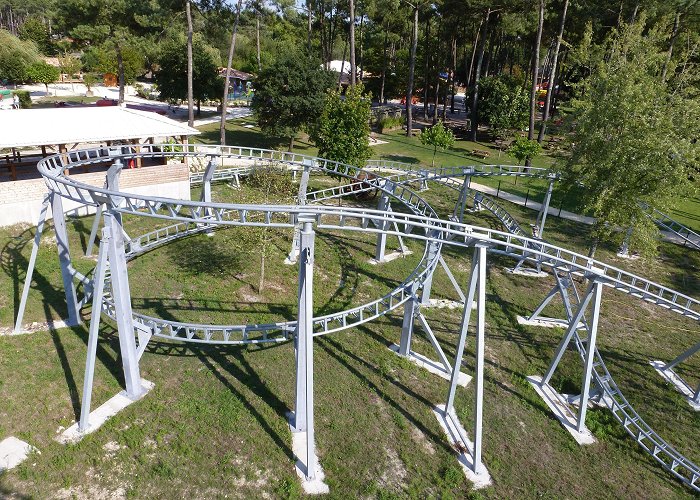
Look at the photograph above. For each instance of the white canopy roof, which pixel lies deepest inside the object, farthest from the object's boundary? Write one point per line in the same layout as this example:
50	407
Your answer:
52	126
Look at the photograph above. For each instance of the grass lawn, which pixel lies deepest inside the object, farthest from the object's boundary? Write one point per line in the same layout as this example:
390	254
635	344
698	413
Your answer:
215	426
50	101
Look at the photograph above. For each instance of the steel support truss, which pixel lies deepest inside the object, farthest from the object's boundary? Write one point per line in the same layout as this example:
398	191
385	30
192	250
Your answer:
470	452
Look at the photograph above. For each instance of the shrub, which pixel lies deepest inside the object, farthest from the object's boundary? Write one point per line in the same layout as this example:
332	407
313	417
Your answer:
389	123
25	101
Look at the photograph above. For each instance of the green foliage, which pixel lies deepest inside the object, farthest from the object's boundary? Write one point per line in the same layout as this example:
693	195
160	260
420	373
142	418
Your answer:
635	136
390	123
69	65
34	30
503	103
342	130
437	136
523	149
43	72
103	59
172	76
289	94
90	79
15	57
25	100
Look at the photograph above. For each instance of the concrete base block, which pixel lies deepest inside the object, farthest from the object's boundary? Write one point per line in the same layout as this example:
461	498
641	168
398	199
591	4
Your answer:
457	437
561	409
101	414
434	367
448	304
389	257
315	486
547	322
525	271
36	327
681	386
595	400
13	452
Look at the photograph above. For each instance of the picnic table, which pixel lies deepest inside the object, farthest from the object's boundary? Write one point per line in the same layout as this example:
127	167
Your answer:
480	153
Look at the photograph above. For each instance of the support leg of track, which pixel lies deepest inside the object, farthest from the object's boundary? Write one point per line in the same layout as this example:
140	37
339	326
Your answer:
59	220
32	263
470	457
97	295
409	316
301	200
574	423
302	421
381	237
544	210
122	305
93	231
666	370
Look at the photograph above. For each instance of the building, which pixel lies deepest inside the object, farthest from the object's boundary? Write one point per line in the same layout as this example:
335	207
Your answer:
26	135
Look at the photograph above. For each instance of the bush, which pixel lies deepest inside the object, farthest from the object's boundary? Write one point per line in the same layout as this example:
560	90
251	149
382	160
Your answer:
524	149
25	101
389	123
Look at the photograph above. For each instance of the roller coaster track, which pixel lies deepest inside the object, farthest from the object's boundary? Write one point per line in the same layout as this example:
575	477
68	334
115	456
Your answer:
422	225
665	222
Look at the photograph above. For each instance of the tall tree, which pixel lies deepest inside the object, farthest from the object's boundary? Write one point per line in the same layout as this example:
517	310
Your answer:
227	76
289	95
353	66
553	73
190	92
477	76
411	71
535	72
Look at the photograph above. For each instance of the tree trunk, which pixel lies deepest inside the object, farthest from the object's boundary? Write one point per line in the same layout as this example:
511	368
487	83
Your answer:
381	89
454	73
475	94
553	73
437	98
257	37
120	70
535	72
426	75
353	67
342	66
411	74
471	62
190	90
308	24
362	48
232	48
669	54
291	143
199	107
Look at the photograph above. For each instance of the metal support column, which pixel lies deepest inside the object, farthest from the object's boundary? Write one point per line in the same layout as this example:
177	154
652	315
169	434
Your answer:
466	318
570	331
434	247
461	204
696	398
303	411
409	316
122	305
625	247
682	357
59	220
32	262
98	291
206	180
479	374
383	226
544	210
590	355
301	200
111	183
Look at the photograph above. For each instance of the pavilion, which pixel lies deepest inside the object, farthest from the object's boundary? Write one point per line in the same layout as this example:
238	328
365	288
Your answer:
27	135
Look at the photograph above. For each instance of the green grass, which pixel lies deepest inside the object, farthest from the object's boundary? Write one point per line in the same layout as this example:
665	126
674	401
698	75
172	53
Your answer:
50	101
215	423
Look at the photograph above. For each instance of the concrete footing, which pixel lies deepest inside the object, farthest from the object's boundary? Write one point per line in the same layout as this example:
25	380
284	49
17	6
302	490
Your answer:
562	410
681	386
434	367
101	414
389	257
546	322
457	437
316	486
526	271
13	452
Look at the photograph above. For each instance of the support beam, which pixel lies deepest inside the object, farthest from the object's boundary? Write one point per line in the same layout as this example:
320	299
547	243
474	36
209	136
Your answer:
32	263
382	206
59	220
303	418
479	375
682	357
409	316
97	295
301	200
544	210
590	355
122	305
206	180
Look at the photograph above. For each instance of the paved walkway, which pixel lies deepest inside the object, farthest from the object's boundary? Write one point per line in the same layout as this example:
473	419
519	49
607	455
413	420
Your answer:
564	214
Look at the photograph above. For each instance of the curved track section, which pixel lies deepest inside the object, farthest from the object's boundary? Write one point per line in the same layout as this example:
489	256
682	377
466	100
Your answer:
422	224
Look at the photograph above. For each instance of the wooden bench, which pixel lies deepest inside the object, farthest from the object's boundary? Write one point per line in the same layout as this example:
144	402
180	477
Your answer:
480	153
